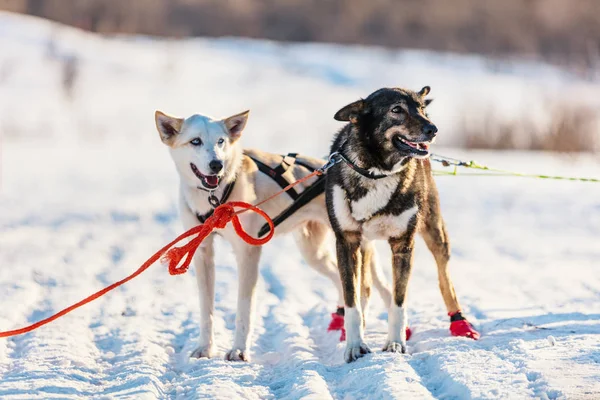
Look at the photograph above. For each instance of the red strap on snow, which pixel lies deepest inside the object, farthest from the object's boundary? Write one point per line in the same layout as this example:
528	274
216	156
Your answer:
173	255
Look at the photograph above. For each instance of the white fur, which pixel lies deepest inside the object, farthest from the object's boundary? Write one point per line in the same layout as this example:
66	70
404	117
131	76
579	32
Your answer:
353	325
398	167
388	226
321	259
247	258
376	198
397	322
342	211
204	263
355	343
216	145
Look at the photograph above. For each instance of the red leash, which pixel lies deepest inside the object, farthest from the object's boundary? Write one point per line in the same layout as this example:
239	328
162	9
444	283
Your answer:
173	255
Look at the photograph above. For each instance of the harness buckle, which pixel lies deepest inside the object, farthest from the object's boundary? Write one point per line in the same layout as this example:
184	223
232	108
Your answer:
333	159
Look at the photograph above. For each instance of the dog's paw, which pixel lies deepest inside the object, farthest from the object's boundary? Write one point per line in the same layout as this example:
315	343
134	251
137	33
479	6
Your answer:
202	352
355	352
395	347
237	355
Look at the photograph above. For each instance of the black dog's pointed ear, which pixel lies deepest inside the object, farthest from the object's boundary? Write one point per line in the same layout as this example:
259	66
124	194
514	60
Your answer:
428	102
424	92
352	111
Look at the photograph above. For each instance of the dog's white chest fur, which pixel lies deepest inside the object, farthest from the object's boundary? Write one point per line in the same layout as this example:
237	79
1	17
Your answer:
342	211
388	226
358	215
376	198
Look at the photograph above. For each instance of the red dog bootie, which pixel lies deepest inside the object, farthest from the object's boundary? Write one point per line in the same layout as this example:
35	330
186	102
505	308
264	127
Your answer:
459	326
408	333
337	324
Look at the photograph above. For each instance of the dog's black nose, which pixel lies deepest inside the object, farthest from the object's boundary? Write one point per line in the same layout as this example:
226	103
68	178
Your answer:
216	166
430	130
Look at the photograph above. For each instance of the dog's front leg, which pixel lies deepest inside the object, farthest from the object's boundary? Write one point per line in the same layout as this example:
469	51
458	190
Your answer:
205	276
402	258
349	264
247	257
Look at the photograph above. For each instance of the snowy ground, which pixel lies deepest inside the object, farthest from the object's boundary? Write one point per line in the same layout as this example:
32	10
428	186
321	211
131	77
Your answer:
88	193
73	220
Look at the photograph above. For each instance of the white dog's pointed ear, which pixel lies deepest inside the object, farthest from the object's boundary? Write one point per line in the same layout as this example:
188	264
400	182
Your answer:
424	92
352	111
168	127
236	124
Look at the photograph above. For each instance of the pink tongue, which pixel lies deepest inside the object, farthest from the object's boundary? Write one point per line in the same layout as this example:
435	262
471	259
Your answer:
212	180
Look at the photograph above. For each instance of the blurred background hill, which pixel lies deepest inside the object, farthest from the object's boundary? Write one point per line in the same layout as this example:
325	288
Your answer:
562	31
507	74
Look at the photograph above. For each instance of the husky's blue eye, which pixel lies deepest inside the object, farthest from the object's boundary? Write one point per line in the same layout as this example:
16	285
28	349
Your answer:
196	142
397	110
221	141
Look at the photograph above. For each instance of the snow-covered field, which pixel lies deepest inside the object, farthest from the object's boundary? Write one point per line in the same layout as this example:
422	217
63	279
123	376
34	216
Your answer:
88	193
73	220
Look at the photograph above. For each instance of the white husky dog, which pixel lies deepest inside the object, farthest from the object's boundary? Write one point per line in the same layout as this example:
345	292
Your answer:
213	168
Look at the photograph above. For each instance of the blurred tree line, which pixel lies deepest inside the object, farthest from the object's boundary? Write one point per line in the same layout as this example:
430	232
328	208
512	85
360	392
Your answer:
557	30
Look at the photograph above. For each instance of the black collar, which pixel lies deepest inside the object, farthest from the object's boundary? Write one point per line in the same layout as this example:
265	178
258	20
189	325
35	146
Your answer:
215	201
361	171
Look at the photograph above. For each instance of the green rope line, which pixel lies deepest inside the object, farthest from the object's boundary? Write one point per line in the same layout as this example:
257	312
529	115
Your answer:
452	162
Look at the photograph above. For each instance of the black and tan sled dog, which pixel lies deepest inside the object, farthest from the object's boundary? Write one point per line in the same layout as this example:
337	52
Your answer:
382	188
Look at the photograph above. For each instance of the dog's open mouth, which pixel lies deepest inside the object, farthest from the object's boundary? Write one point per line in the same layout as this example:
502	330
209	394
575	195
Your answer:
208	181
416	148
